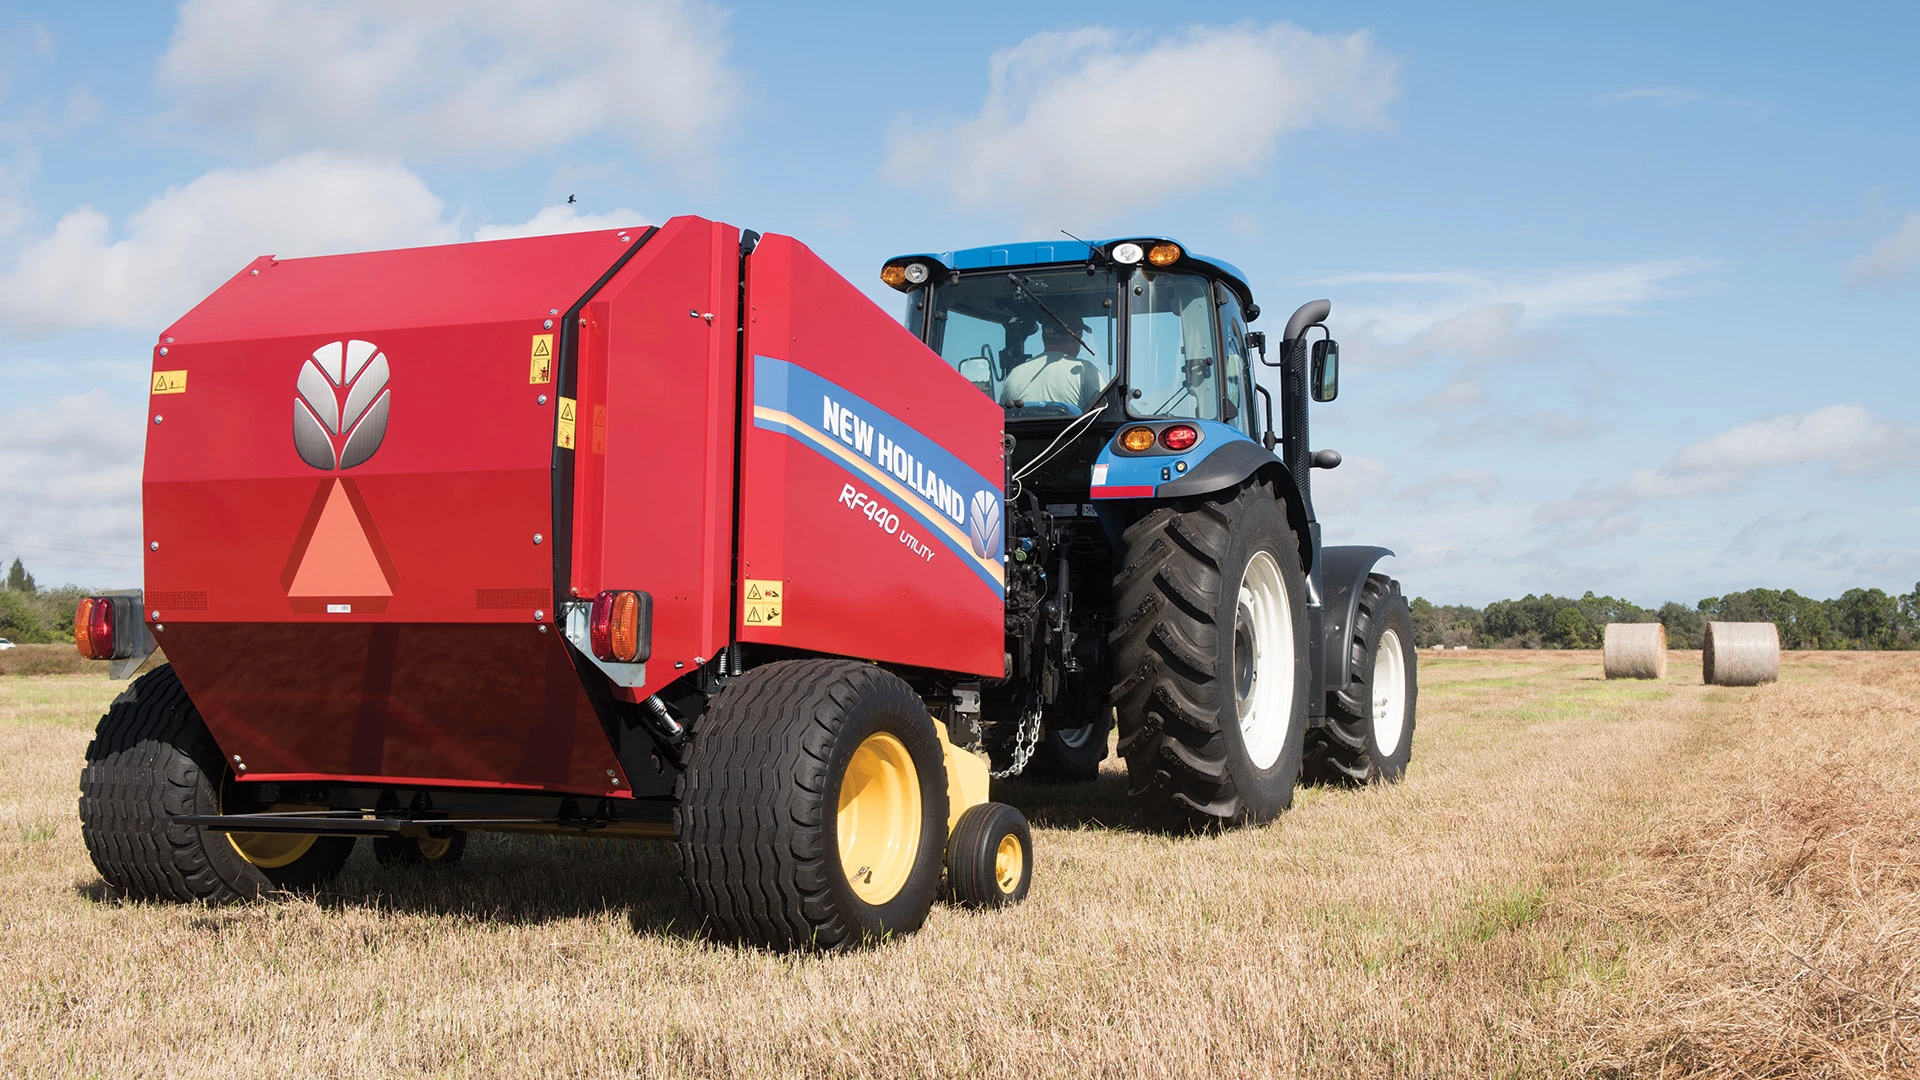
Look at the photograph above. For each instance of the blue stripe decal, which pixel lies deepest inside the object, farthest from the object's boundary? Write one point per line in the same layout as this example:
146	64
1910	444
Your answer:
959	507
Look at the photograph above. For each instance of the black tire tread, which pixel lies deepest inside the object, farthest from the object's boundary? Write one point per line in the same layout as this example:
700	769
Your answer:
1167	647
151	758
756	802
1344	752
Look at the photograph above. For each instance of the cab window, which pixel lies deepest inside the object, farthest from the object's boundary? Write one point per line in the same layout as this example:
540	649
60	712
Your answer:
1241	410
1173	357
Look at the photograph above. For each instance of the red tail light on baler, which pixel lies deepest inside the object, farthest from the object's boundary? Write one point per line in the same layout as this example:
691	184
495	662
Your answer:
620	626
107	627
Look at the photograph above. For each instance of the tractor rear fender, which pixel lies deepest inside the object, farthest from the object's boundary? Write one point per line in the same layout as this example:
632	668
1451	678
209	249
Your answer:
1344	570
1224	458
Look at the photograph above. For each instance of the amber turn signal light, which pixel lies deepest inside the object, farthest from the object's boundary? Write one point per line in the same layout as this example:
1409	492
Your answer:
83	629
895	276
1164	254
1179	437
1137	439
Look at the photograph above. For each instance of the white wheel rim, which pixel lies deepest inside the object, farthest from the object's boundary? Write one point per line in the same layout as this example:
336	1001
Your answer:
1076	738
1389	693
1263	660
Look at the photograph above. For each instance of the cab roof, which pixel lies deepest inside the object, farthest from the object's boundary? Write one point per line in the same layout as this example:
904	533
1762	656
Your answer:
1045	252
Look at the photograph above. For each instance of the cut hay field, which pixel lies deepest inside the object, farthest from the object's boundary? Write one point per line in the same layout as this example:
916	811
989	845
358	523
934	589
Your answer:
1578	878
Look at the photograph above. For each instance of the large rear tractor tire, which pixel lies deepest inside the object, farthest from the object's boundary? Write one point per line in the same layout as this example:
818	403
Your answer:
1369	732
152	758
813	812
1210	659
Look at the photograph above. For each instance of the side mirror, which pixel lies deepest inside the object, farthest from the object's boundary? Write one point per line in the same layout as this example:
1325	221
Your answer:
974	369
1326	370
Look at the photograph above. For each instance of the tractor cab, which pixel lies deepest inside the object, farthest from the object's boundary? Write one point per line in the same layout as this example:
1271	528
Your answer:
1056	331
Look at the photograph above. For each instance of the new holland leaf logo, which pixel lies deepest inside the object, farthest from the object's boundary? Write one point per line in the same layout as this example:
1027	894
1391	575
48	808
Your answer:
340	413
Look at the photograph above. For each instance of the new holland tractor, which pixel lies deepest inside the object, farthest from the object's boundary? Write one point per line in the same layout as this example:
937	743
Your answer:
673	533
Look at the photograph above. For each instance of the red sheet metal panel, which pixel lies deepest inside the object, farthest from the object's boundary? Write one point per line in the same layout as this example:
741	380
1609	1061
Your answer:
653	456
341	444
871	480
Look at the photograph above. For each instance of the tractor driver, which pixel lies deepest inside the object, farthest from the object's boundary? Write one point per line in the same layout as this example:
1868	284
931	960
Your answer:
1064	371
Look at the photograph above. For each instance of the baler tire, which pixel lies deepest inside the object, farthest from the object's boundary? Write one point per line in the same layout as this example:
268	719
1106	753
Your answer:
1177	606
759	817
989	857
151	758
397	851
1351	746
1072	757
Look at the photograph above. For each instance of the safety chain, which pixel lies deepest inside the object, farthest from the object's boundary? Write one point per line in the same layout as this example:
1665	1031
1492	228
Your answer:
1026	738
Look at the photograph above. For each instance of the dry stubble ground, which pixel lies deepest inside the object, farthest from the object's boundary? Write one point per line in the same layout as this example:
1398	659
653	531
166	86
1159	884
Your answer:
1577	878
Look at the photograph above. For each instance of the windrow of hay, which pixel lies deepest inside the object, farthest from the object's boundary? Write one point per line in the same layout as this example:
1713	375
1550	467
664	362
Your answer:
1635	651
1740	653
1782	918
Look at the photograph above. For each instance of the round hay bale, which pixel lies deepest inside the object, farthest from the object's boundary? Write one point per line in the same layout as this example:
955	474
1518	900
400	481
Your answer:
1740	653
1636	651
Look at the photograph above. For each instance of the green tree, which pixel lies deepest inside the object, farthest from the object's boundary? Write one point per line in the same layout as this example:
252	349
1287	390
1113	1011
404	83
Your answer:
1684	625
18	580
1867	618
1571	630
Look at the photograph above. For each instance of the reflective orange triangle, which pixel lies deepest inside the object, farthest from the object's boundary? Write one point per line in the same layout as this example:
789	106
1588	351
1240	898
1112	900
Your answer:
339	560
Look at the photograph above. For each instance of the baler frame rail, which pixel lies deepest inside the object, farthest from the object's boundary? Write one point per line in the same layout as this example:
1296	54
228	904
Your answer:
349	823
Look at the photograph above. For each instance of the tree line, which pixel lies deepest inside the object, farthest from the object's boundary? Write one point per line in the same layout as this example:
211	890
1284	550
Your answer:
30	614
1856	619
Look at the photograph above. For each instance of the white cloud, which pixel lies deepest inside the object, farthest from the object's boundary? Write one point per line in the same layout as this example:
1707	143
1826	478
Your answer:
488	80
1665	95
70	486
562	219
1081	125
1407	317
1893	256
1848	437
184	242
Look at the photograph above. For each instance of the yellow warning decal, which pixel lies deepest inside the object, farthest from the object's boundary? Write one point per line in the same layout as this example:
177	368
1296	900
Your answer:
170	382
564	436
765	601
541	368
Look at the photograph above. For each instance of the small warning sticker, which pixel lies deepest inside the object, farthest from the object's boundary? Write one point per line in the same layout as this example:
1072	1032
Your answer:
170	382
764	600
563	434
540	369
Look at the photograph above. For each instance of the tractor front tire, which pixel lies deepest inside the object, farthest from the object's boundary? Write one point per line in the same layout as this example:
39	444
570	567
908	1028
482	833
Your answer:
1369	732
813	810
1073	755
152	758
1210	659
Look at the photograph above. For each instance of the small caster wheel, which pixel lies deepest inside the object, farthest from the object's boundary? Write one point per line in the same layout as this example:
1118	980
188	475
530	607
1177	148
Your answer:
989	857
420	850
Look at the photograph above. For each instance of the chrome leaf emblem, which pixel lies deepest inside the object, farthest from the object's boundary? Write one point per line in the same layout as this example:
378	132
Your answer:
340	415
984	532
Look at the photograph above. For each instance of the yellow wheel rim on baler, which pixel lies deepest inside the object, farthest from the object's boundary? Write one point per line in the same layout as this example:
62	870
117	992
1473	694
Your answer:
270	851
1008	863
879	819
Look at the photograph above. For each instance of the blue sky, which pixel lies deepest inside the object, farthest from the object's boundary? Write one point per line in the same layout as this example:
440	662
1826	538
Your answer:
1627	298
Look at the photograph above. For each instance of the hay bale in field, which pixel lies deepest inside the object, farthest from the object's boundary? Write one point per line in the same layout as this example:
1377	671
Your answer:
1740	653
1636	651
